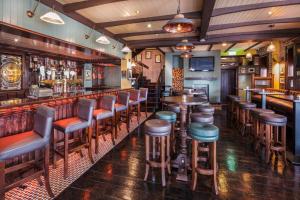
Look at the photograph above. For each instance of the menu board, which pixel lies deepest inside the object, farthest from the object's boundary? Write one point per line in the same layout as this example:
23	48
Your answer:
10	72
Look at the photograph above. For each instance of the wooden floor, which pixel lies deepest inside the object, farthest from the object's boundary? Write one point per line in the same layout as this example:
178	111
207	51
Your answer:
242	175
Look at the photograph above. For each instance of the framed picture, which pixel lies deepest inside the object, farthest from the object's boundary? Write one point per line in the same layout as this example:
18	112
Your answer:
281	80
282	69
88	74
148	55
251	70
139	58
124	74
157	58
243	70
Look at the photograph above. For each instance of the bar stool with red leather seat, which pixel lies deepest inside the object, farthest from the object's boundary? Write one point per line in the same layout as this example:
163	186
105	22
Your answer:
134	105
144	99
104	112
22	143
82	121
121	108
274	138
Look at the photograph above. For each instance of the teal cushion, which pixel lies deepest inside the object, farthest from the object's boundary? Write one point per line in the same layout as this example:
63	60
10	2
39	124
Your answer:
204	132
166	115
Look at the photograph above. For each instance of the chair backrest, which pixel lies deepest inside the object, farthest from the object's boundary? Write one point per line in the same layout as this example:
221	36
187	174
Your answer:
135	95
43	119
123	98
144	92
108	103
85	109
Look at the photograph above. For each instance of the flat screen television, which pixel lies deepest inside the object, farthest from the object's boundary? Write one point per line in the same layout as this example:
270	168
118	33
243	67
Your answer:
202	63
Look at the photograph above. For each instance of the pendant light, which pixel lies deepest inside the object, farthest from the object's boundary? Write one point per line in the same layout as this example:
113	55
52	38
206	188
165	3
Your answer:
52	17
126	49
184	45
271	47
31	13
249	56
103	40
179	24
186	55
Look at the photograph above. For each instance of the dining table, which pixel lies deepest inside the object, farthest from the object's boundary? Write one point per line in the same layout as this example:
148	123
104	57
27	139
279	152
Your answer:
184	102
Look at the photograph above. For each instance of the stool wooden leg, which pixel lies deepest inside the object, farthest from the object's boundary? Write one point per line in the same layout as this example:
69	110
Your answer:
173	138
112	131
283	142
90	134
2	180
194	163
97	137
168	155
153	148
54	148
163	161
146	108
138	113
268	142
66	156
214	154
103	134
46	171
116	124
147	143
128	119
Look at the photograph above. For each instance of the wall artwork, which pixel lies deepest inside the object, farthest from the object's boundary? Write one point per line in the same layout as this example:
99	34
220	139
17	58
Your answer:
124	74
157	58
139	58
88	74
148	54
10	72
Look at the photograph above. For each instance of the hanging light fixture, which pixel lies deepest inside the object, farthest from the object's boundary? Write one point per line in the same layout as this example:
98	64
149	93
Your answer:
184	45
179	24
271	47
126	49
186	55
52	17
103	40
30	13
249	56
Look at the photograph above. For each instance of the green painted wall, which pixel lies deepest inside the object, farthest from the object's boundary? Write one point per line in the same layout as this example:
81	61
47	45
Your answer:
14	12
214	85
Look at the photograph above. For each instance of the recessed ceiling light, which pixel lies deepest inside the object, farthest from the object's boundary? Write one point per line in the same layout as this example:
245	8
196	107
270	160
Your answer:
16	40
224	44
270	12
149	25
137	12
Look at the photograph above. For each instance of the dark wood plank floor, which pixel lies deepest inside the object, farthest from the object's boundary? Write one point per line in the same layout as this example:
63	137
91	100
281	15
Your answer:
242	175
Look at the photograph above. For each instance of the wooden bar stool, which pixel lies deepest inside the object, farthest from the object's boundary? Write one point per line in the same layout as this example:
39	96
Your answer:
121	108
244	116
158	129
275	134
170	117
206	110
209	134
144	99
254	118
22	143
104	112
83	121
230	107
202	118
134	105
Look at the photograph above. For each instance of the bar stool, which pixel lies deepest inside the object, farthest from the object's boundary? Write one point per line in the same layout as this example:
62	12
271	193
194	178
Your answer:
158	129
230	107
244	116
134	105
22	143
209	134
206	110
83	121
170	117
254	118
121	107
275	128
202	118
104	112
144	98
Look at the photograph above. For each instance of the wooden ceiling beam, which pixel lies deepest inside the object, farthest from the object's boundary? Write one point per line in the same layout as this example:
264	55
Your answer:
232	45
191	15
240	8
252	46
123	35
71	7
208	6
253	23
160	50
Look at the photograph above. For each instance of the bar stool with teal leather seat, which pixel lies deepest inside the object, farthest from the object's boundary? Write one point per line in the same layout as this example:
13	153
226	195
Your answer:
209	134
170	117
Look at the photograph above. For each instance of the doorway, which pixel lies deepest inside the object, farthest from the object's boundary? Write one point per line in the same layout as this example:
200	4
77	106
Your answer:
228	83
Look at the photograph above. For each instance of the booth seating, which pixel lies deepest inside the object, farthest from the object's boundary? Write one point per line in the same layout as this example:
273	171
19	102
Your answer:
157	129
144	98
170	117
244	116
134	105
82	121
254	115
103	113
274	136
22	143
121	111
204	133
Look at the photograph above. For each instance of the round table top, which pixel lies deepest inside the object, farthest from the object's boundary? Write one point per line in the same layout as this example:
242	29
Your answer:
184	100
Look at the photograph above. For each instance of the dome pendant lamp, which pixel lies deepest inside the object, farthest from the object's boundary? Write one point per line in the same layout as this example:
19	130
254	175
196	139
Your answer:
184	45
52	17
179	24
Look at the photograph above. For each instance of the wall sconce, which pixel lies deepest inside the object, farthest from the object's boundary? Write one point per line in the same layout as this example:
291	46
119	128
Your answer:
30	13
88	35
